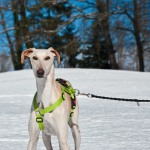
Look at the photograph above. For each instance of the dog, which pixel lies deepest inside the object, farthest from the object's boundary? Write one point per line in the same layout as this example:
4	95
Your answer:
48	92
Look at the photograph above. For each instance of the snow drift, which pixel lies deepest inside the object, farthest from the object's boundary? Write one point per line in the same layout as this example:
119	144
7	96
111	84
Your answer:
104	124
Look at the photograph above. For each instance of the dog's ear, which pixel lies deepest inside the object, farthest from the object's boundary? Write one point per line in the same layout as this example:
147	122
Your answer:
56	54
25	54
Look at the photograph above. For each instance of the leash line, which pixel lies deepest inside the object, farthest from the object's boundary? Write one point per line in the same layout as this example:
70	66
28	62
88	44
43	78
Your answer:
111	98
119	99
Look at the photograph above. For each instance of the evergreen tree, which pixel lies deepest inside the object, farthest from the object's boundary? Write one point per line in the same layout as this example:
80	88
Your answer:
43	18
72	46
95	55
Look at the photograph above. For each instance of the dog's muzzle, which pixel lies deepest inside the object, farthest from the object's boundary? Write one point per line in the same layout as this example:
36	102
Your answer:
40	73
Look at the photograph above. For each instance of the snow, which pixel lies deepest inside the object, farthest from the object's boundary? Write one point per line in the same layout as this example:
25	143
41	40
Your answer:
104	124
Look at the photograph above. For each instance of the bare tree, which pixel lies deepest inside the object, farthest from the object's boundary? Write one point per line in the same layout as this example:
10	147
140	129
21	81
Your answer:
5	63
134	27
3	23
136	16
21	32
79	12
103	8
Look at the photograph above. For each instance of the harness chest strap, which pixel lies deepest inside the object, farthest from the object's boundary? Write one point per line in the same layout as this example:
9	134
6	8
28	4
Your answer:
67	88
39	118
41	112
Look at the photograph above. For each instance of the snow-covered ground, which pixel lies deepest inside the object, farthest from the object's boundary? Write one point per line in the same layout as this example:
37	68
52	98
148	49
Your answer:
104	124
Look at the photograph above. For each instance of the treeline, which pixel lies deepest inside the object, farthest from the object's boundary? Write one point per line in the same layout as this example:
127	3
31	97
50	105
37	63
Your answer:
87	33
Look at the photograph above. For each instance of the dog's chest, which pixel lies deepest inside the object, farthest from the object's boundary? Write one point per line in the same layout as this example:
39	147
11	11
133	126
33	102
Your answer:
49	127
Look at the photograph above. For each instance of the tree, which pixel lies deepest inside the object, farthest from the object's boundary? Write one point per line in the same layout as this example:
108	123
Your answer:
51	23
138	26
44	17
21	31
10	43
103	8
18	36
71	47
5	62
34	29
104	13
95	55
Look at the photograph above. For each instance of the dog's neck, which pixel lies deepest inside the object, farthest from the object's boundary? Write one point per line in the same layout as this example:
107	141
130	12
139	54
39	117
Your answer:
46	89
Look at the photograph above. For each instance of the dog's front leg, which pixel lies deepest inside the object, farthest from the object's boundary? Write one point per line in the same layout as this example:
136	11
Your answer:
34	131
47	141
62	135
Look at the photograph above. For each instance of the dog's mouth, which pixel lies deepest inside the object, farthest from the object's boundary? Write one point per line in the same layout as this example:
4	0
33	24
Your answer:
40	76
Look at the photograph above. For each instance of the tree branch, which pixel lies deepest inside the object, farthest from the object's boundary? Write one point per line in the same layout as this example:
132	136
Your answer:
86	2
13	28
83	15
125	12
125	29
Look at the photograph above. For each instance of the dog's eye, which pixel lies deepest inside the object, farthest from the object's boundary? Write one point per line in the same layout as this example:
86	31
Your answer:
47	58
35	58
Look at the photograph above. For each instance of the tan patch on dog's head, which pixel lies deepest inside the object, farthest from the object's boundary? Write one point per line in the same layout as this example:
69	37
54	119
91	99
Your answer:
56	54
25	54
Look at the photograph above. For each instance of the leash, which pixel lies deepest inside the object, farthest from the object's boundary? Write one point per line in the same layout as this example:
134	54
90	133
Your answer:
110	98
66	87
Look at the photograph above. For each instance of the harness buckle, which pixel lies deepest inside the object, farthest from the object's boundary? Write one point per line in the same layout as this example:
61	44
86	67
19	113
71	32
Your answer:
73	102
39	119
71	114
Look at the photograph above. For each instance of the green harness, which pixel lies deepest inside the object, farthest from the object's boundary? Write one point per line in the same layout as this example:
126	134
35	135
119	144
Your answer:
65	88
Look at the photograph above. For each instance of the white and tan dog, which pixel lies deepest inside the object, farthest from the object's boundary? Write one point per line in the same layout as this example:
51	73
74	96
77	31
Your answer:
48	92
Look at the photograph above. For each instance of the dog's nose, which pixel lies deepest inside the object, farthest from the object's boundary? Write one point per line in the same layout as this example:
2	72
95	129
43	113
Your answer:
40	72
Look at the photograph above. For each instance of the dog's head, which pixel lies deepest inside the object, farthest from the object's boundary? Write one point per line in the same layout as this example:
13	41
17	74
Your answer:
41	60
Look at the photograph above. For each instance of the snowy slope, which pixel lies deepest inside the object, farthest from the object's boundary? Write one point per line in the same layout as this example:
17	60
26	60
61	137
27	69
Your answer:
104	124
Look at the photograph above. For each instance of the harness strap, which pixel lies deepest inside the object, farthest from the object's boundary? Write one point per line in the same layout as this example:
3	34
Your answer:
65	88
71	91
52	107
39	118
71	114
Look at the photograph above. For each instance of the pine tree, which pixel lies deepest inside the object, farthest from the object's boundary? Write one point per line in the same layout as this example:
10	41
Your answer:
95	55
43	18
72	46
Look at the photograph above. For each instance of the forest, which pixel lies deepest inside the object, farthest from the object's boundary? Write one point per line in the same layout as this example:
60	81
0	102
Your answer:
102	34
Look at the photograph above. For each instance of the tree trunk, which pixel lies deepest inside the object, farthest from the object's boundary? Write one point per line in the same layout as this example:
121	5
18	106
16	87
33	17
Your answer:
140	51
13	58
137	61
137	38
105	24
24	24
18	44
